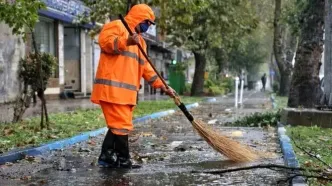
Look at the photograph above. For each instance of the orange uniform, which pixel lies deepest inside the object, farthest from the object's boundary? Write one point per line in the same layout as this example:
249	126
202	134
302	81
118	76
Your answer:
120	70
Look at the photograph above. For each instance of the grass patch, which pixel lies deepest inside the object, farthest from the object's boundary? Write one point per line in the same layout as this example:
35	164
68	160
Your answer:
257	120
281	101
315	139
64	125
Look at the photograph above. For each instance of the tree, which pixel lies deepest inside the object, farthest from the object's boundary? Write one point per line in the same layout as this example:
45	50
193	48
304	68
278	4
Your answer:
195	25
247	51
202	25
21	16
305	79
285	40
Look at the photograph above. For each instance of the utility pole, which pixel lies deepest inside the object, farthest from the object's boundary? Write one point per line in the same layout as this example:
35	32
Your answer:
327	53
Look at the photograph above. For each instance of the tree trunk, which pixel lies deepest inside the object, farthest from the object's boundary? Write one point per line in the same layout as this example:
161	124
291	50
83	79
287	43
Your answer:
277	39
285	81
41	89
305	79
198	82
284	45
22	103
286	73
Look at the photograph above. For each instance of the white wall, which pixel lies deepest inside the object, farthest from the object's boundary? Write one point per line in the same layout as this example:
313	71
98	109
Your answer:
12	48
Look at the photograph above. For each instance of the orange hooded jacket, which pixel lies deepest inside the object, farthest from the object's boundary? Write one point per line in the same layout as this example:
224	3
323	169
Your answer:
121	67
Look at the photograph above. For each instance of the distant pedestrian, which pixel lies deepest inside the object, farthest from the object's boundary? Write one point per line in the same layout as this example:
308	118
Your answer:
263	82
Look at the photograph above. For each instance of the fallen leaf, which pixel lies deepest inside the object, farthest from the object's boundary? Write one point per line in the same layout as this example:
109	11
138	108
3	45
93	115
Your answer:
8	132
307	163
323	138
30	158
42	182
9	164
147	134
26	178
237	134
91	142
52	136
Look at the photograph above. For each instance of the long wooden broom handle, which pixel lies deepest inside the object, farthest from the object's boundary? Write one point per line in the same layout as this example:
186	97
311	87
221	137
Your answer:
141	49
177	98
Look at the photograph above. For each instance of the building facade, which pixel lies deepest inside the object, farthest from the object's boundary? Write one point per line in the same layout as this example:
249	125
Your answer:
70	43
77	53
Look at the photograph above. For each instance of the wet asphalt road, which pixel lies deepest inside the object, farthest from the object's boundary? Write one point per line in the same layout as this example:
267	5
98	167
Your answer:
169	150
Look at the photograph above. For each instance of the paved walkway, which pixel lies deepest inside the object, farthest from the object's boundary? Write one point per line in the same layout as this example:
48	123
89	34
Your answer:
169	150
54	106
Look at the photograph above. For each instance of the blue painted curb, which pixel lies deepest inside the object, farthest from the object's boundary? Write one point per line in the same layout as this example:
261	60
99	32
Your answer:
34	151
290	159
289	155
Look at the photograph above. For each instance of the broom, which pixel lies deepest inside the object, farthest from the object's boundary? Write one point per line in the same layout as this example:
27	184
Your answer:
228	147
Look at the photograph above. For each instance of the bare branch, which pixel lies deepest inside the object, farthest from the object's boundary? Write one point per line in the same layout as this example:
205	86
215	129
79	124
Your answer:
262	166
310	154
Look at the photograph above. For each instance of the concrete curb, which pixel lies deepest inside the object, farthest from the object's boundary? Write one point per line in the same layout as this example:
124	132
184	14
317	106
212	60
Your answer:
290	159
34	151
289	155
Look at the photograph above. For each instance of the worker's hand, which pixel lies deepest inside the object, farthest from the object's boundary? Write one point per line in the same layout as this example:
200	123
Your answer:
133	40
170	92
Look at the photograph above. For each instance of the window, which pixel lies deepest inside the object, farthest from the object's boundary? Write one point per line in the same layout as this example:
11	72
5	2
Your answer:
45	38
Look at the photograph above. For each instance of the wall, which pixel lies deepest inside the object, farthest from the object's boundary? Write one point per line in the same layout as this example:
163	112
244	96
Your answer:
89	63
11	50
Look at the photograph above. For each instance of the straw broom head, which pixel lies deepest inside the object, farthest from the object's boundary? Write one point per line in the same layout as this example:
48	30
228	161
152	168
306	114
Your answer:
224	145
230	148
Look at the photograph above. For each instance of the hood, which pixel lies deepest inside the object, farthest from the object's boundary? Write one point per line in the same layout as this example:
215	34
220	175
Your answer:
137	14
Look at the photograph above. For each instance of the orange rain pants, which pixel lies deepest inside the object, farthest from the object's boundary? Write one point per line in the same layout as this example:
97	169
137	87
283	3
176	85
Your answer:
117	115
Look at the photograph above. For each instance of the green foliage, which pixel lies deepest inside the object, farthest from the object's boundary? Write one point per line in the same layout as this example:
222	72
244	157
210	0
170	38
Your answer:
275	87
19	14
180	67
200	25
216	90
228	84
219	87
281	102
290	16
247	54
101	10
249	50
187	88
29	73
258	120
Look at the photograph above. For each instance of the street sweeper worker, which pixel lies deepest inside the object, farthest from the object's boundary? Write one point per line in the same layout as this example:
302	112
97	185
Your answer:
121	67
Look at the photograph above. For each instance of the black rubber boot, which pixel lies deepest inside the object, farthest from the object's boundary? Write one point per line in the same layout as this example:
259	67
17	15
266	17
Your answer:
107	157
122	150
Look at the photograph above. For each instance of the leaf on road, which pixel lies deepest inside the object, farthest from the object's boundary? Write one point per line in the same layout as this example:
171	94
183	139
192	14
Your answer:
148	134
9	164
26	178
237	134
91	142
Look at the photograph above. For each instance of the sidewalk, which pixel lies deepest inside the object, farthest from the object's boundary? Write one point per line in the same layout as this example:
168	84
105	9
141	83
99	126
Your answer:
54	106
169	150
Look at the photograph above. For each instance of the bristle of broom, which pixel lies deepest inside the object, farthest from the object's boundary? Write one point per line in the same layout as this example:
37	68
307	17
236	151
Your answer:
224	145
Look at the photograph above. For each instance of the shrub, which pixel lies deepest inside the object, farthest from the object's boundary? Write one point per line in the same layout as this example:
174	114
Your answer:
275	87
